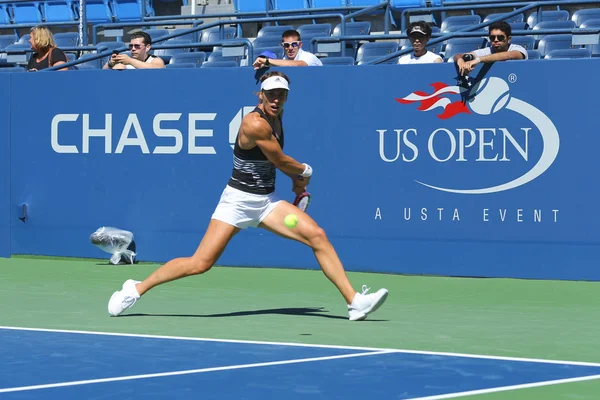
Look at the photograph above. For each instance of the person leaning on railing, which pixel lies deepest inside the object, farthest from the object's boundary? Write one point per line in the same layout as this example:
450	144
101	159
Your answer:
500	50
45	53
139	45
294	55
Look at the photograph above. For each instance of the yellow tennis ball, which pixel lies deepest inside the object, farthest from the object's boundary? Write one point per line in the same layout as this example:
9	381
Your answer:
291	220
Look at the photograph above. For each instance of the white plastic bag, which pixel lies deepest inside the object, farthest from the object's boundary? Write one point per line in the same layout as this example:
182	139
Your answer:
117	242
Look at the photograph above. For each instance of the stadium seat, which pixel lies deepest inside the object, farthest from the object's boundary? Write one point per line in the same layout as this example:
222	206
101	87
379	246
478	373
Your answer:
267	41
310	31
290	4
337	60
5	17
592	23
548	15
462	45
98	11
276	31
352	29
127	10
456	22
218	56
95	64
57	11
219	64
569	53
156	33
533	55
181	65
212	35
191	36
554	42
581	16
6	40
565	24
528	42
518	26
166	54
66	39
244	6
330	3
24	13
372	50
196	58
514	18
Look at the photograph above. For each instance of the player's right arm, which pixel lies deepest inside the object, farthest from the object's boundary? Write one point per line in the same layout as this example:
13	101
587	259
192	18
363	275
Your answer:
258	131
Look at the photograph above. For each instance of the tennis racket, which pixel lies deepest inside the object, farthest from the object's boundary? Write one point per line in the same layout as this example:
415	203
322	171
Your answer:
302	201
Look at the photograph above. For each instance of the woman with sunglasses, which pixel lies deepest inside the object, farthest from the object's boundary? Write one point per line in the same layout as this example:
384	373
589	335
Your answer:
139	46
500	50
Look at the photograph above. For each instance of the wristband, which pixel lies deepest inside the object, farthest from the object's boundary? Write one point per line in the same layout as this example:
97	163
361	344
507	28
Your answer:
307	171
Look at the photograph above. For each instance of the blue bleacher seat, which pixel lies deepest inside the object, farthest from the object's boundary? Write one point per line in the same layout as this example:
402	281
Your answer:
98	11
329	3
127	10
243	6
533	55
456	22
156	33
554	42
273	31
462	45
196	58
188	36
167	54
24	13
375	49
95	64
56	11
518	26
528	42
12	69
311	29
218	56
352	29
337	60
290	4
5	17
181	65
267	41
514	18
6	40
548	15
568	24
580	16
211	35
592	23
219	64
569	53
66	39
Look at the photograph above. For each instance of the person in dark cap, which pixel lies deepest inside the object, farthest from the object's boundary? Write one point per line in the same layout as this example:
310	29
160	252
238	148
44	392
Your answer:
419	34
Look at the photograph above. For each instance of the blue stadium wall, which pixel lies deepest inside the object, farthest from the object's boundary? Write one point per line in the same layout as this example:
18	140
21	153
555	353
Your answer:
405	182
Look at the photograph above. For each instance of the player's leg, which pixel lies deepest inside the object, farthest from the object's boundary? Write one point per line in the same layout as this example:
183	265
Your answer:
211	247
308	232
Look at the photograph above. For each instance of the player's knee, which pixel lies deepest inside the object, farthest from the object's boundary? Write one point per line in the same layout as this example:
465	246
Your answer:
317	237
197	266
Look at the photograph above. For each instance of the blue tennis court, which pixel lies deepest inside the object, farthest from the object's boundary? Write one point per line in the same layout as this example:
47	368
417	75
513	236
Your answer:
50	364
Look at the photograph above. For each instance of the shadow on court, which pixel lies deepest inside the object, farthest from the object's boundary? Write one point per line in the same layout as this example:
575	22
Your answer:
306	311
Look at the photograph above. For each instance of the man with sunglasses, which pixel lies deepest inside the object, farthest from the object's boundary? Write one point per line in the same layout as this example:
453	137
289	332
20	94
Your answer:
419	33
139	46
500	50
294	55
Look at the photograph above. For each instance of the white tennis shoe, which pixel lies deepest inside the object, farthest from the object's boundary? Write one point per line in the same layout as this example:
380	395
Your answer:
363	304
123	299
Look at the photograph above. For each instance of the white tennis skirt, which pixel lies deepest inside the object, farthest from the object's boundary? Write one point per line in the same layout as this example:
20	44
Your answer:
242	209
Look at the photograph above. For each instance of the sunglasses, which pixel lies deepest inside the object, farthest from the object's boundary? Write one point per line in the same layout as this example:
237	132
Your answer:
500	38
288	44
137	46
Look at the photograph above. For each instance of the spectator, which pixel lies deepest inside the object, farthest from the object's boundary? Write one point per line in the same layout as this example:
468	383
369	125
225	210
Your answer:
45	53
500	50
419	34
139	45
294	56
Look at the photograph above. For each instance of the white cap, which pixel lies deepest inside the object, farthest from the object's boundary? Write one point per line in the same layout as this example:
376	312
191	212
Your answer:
275	82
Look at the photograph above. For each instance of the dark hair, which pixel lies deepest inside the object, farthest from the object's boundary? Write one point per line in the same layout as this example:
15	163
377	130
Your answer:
421	24
274	73
142	35
291	32
501	26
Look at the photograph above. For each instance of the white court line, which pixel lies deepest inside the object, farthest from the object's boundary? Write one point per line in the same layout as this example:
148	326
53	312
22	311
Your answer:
186	372
324	346
506	388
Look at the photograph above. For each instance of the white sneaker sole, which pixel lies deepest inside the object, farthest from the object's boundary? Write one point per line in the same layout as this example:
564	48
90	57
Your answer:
383	296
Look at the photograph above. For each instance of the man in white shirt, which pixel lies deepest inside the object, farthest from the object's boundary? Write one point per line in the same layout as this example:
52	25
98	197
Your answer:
419	34
501	49
139	46
294	55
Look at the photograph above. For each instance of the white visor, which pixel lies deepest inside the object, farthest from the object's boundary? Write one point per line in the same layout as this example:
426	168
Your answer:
275	82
